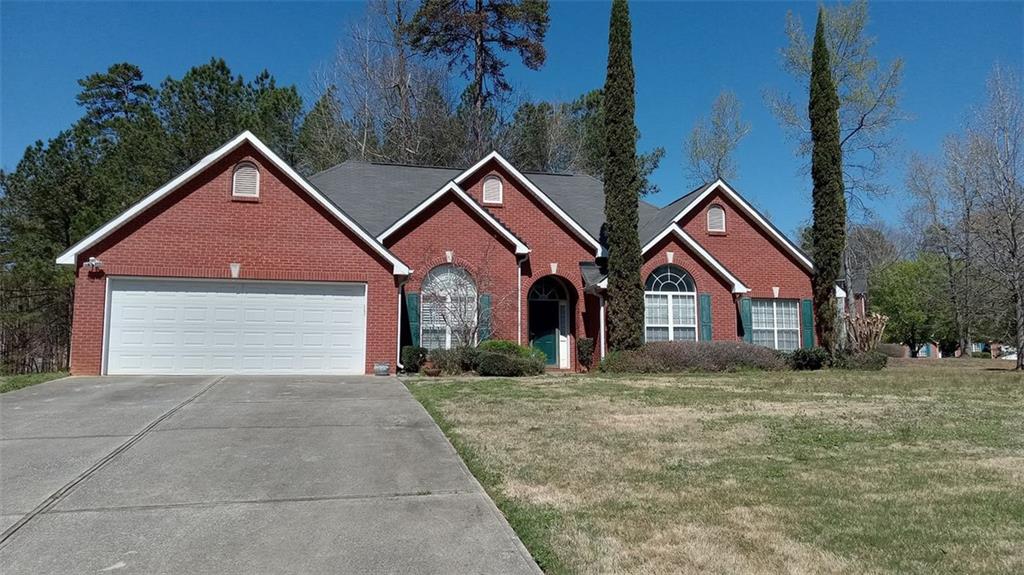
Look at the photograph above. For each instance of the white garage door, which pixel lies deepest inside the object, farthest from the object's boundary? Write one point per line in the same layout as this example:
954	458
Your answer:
201	327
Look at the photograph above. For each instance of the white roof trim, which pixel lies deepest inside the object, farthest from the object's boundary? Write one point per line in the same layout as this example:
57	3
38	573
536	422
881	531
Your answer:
750	212
737	285
70	256
521	248
582	233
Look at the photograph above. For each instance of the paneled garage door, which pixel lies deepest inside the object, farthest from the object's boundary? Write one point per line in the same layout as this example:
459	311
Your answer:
202	327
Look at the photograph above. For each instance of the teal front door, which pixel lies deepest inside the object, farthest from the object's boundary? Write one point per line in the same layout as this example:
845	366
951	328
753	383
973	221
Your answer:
544	328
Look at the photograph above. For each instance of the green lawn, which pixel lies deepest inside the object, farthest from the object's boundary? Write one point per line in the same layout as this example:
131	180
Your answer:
919	468
12	382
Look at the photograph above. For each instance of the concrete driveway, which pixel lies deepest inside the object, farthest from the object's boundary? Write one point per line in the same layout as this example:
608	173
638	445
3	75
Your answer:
238	475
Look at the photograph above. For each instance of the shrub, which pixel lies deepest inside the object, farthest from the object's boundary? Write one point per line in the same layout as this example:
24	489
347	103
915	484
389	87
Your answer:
506	347
808	359
891	349
492	363
470	358
668	357
413	357
449	361
860	361
585	351
981	354
502	346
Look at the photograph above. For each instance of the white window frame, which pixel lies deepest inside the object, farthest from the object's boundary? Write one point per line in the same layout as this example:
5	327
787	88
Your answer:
445	305
775	329
234	179
720	209
501	191
672	296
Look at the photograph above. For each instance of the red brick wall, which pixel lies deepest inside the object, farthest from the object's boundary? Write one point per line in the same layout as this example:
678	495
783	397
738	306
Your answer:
724	313
549	240
748	252
449	225
198	230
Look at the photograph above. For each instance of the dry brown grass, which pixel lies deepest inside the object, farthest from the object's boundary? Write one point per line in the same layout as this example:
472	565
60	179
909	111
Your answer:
914	469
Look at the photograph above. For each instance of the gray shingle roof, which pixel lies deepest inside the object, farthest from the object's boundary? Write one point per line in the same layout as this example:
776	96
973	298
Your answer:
378	195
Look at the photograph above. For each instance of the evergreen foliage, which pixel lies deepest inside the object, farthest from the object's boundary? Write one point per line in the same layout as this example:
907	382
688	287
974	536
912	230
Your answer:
622	188
828	230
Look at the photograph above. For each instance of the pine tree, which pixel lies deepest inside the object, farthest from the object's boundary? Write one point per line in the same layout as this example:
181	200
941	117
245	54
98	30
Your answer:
323	135
622	188
828	230
471	34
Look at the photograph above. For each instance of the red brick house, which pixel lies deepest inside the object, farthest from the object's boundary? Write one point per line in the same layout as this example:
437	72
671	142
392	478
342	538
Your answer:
242	265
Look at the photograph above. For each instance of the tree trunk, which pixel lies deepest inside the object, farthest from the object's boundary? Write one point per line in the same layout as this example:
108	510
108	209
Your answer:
478	79
1020	330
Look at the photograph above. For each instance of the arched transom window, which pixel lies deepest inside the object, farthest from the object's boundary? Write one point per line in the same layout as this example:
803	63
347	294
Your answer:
448	308
670	305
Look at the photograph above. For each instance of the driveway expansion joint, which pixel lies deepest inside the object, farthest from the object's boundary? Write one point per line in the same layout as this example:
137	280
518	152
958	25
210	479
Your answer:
58	495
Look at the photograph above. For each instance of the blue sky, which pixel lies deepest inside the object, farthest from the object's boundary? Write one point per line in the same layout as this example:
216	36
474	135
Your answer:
684	53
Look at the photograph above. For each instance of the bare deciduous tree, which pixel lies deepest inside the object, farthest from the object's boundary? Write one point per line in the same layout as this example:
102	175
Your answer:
868	94
713	141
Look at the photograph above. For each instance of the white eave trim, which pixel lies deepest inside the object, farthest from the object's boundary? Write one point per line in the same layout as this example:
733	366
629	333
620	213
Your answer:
70	256
738	287
573	224
750	211
452	187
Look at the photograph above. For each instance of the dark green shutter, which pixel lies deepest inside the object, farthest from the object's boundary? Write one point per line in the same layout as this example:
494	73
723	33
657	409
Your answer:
412	306
807	322
746	320
485	317
705	317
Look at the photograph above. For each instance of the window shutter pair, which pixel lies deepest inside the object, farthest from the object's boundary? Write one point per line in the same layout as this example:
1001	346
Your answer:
412	305
807	323
705	317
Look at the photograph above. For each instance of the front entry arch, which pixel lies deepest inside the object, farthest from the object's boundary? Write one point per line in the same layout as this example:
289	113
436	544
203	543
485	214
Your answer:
548	313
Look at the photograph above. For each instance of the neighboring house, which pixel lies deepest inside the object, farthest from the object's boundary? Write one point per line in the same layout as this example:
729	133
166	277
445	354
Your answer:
241	265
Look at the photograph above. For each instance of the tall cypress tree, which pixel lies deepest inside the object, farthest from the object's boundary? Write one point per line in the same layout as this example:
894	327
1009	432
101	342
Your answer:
828	231
622	188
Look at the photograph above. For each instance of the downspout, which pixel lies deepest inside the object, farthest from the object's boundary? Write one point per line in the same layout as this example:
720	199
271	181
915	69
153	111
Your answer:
398	337
519	301
601	315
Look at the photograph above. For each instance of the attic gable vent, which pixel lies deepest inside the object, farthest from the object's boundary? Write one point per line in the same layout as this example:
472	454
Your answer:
716	219
246	181
492	190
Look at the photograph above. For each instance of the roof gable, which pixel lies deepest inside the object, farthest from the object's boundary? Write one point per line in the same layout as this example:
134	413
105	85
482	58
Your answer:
695	198
70	256
544	199
454	189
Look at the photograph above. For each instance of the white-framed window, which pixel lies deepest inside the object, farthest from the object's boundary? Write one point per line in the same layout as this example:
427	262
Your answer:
448	308
245	182
492	190
776	323
670	305
716	219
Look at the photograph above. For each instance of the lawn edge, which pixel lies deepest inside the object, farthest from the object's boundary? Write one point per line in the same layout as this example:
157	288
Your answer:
9	385
533	524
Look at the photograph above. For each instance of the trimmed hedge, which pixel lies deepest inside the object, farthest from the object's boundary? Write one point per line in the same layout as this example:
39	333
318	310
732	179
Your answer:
669	357
449	361
492	363
512	348
413	357
808	359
